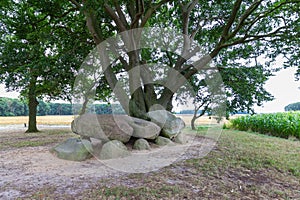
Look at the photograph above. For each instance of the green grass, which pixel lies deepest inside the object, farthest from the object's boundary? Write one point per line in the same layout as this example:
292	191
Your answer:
241	165
283	125
253	151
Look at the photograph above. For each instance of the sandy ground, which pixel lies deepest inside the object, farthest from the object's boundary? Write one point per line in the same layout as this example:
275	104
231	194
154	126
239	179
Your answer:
24	170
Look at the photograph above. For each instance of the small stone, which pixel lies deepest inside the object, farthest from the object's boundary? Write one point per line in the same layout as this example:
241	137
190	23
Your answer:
113	149
141	144
163	141
180	139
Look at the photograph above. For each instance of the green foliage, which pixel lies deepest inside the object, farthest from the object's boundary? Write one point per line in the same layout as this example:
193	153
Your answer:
15	107
292	107
282	125
12	107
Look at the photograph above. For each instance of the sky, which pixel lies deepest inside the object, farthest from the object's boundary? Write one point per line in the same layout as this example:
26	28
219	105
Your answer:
285	90
282	86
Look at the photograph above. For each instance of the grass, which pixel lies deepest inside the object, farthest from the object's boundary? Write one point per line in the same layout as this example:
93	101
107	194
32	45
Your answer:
242	166
45	137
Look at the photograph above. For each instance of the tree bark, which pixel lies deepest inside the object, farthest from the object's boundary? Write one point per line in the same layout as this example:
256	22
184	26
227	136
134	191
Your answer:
193	122
32	105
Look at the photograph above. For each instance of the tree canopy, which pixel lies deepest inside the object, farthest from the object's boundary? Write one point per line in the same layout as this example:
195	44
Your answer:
40	54
230	37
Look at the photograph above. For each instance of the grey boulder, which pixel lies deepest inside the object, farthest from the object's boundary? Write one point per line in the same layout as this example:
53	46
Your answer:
141	144
143	129
103	127
180	139
113	149
163	141
170	124
73	149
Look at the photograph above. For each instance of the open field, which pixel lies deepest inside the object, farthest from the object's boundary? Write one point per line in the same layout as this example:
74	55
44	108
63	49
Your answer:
241	166
41	120
67	119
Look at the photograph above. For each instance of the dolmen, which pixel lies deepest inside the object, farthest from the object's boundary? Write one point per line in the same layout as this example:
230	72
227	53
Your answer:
111	136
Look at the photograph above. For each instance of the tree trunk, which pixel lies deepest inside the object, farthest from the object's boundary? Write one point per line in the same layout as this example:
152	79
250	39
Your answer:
193	122
32	105
137	105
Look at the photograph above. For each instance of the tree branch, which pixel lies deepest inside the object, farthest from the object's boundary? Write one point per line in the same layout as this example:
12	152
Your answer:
247	13
74	2
115	17
120	13
232	17
244	40
138	15
151	10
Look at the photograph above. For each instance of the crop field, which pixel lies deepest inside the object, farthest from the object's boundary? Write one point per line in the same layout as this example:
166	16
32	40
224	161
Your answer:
282	125
67	119
41	120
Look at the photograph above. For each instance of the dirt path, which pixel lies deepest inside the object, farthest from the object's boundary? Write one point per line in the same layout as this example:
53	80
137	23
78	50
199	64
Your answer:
24	170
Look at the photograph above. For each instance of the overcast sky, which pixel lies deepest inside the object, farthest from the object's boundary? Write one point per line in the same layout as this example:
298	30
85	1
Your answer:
282	86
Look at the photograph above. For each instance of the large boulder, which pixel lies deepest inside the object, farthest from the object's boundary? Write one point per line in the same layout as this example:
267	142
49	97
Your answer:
141	144
143	129
113	149
170	124
163	141
103	127
73	149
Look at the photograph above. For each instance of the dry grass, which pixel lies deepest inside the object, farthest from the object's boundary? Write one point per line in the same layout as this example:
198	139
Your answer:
67	119
204	120
41	120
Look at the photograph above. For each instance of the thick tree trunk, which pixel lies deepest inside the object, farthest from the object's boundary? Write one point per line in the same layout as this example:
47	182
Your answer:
137	105
32	105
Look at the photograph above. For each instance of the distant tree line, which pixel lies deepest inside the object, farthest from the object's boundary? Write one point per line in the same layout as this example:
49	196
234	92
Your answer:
191	112
292	107
16	107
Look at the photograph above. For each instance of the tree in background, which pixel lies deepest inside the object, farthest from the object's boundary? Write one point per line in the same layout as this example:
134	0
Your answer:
39	54
244	88
292	107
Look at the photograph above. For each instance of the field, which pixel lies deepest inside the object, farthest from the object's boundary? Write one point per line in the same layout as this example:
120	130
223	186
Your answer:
41	120
67	119
242	165
285	125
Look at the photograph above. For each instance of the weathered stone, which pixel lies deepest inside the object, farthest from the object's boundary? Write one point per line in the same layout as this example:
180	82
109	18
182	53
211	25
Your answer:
170	124
73	149
162	141
141	144
97	146
113	149
180	139
103	127
143	129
